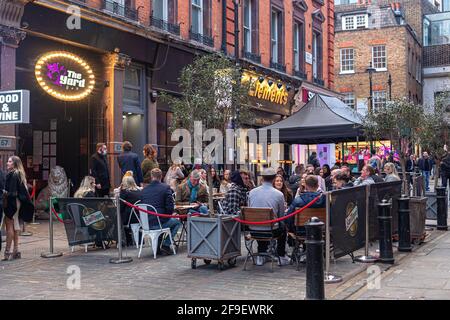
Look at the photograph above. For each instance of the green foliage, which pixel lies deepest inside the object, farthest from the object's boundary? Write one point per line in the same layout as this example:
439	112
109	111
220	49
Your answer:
212	92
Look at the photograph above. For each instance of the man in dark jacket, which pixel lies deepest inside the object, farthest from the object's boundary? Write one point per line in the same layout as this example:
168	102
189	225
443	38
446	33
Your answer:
425	165
99	170
129	161
445	169
313	160
159	195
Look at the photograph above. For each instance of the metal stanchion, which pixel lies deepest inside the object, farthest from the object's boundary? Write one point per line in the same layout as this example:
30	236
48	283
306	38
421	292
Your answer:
34	204
329	278
441	195
404	231
120	259
51	254
315	286
24	232
385	226
367	258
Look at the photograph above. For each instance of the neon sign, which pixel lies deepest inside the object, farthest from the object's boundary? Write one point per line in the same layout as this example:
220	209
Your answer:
65	76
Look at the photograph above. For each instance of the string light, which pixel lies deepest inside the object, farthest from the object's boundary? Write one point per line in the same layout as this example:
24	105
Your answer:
59	95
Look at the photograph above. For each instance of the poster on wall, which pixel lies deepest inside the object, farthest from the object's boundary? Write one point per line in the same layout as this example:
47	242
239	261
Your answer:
37	147
325	154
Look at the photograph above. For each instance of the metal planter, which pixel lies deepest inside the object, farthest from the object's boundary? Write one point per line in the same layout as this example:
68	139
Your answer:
417	206
214	238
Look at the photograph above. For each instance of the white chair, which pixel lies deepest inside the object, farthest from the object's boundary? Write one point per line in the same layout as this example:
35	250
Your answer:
135	227
153	234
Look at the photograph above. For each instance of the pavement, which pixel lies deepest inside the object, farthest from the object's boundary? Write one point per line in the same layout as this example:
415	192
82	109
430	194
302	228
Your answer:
171	277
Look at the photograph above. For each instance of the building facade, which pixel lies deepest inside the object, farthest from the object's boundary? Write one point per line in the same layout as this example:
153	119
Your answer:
117	56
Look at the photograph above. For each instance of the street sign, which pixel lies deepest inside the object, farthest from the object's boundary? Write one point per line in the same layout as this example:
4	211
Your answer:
15	107
308	58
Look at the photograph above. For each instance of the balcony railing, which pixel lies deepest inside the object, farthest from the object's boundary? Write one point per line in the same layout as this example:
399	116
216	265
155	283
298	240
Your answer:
120	10
251	56
206	40
278	66
164	25
300	74
319	81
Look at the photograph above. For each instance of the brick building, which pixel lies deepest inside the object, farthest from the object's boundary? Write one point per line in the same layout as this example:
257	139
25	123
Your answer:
379	35
129	51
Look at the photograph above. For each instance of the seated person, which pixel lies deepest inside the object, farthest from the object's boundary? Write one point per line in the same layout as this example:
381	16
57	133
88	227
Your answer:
159	195
131	193
311	192
193	192
236	196
366	177
266	196
342	181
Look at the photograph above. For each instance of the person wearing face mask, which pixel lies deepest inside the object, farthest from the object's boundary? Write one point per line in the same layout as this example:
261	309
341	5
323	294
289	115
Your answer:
99	170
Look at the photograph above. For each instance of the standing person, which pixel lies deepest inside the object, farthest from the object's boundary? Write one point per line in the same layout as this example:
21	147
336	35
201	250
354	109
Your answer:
294	180
99	170
375	161
226	182
174	174
280	185
2	188
266	196
129	161
445	169
159	195
425	165
313	160
18	202
150	162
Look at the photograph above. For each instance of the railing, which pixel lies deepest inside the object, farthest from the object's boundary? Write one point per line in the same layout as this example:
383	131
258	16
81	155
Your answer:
206	40
164	25
252	56
119	9
300	74
319	81
278	66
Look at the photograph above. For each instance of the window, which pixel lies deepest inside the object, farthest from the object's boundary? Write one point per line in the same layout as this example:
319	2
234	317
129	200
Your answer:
360	21
317	55
121	7
250	25
338	2
132	93
298	46
378	100
276	36
347	60
379	58
419	70
349	99
164	10
409	60
200	20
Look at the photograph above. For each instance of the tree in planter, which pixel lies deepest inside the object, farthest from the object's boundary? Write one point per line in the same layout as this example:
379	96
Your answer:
398	120
213	93
434	133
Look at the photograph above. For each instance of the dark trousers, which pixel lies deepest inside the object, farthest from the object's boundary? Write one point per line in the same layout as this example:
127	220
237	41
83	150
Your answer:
101	193
445	177
281	242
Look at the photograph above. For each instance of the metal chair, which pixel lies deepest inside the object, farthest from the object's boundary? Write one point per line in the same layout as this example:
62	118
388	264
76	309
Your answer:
261	233
135	227
153	234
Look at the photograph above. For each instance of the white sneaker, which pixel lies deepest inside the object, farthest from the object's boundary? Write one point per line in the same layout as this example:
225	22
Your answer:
284	261
260	260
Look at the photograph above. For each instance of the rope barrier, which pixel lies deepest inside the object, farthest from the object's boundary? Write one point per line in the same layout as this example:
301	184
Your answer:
282	218
56	214
180	216
33	191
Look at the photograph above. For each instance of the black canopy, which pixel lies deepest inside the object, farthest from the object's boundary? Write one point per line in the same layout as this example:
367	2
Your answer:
322	120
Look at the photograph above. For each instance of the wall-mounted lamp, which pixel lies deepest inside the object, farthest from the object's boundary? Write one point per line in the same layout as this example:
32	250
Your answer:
261	79
288	88
279	85
270	82
154	96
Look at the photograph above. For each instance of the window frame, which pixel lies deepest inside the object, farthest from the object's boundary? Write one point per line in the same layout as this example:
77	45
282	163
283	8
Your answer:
346	94
385	68
354	19
341	64
280	26
249	28
377	99
200	27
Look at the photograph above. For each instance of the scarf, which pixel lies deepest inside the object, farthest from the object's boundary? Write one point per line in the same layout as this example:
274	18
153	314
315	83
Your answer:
194	191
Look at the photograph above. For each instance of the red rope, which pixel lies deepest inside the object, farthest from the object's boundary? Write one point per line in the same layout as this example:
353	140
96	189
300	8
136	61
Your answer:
282	218
59	219
180	216
33	191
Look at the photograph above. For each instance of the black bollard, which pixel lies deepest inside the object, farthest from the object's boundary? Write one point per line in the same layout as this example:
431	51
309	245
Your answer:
404	231
315	287
441	196
385	232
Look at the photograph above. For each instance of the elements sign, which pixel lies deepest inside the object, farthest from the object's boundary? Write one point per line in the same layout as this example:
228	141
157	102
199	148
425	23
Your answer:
65	76
15	107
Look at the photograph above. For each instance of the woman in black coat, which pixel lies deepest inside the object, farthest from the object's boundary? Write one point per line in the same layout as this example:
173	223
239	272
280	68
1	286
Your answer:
2	187
17	205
